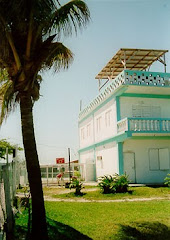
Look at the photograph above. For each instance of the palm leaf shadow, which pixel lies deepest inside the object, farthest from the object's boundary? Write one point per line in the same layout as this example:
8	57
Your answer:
56	230
144	231
62	231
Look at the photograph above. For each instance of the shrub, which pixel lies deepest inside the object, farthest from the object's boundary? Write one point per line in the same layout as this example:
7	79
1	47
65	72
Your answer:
106	183
121	183
114	183
167	180
75	183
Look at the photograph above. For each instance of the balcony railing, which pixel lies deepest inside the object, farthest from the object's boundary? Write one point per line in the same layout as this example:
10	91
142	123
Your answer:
147	125
127	77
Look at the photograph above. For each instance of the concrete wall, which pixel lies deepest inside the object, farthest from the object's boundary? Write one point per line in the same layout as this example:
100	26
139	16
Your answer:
142	165
88	158
99	126
106	130
104	160
107	159
126	104
86	132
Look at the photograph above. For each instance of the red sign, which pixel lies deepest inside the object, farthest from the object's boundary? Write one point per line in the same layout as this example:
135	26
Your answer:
60	160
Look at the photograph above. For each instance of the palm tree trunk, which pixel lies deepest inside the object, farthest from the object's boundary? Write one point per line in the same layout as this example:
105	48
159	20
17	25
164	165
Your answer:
39	226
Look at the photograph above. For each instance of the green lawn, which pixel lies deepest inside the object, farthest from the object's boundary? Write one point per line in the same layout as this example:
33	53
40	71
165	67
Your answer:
101	221
134	192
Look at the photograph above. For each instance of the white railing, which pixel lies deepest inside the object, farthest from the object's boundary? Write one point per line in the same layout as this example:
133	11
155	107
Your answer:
127	77
122	125
143	125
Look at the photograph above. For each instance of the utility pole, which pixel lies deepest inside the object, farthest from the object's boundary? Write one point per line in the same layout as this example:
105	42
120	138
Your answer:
69	164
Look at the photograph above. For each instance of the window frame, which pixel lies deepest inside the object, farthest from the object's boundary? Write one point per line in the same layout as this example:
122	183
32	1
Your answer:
159	159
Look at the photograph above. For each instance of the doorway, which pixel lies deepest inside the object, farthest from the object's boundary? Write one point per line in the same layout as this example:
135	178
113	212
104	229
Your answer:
129	166
90	170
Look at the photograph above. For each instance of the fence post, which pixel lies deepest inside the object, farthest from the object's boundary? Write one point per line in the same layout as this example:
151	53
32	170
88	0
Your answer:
9	213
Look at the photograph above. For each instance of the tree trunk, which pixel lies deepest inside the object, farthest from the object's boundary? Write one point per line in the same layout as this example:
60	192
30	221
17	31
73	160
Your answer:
39	226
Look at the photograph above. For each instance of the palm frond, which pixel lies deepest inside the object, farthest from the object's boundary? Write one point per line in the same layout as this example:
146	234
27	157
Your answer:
59	57
70	17
8	100
53	54
3	76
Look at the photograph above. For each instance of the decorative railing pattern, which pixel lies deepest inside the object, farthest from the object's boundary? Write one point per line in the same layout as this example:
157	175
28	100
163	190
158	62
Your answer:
144	125
147	78
127	77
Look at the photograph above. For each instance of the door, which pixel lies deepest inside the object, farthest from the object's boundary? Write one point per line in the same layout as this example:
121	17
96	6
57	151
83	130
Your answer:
129	166
90	170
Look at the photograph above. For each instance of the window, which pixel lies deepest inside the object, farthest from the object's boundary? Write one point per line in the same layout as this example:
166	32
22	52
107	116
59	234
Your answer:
140	110
98	124
146	111
153	159
156	111
88	130
159	159
136	111
107	118
164	158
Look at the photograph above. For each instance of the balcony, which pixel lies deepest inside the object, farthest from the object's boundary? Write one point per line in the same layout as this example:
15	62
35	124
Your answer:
126	79
144	125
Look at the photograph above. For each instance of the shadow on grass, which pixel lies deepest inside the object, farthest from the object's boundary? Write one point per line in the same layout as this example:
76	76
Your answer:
144	231
156	186
130	192
56	230
59	230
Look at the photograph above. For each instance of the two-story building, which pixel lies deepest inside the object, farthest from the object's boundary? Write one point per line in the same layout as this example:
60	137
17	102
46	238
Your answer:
126	128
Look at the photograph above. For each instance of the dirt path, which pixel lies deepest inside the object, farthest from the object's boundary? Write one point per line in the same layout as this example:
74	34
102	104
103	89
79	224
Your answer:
116	200
60	190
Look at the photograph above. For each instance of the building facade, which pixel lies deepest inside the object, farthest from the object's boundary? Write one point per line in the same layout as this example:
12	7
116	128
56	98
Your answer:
126	128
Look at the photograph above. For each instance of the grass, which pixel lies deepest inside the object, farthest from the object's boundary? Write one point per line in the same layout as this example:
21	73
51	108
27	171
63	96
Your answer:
106	220
102	221
95	193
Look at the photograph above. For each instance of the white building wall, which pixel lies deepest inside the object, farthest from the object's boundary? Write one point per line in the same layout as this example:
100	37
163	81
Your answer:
99	126
86	132
88	158
127	104
107	159
142	166
105	121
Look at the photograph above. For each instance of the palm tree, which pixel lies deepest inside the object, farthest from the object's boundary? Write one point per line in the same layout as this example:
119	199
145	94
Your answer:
30	31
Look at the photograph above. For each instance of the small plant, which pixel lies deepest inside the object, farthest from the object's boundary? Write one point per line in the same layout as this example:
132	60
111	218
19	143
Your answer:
167	180
121	183
75	183
107	184
114	183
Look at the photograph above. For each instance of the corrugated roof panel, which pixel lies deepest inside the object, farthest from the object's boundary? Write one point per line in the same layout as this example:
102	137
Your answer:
139	59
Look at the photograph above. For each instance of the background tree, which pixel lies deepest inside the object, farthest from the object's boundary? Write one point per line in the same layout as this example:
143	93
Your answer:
4	144
30	31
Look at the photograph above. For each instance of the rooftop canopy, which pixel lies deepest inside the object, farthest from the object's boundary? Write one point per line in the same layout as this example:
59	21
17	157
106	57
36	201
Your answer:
131	59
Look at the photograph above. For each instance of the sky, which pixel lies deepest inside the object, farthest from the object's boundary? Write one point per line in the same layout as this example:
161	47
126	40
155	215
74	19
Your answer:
114	24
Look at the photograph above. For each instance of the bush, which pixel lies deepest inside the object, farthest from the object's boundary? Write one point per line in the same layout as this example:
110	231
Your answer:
121	183
114	183
107	184
167	180
75	183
